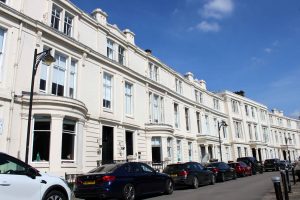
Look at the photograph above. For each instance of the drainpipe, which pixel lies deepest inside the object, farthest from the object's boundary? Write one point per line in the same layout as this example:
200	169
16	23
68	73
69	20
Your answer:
13	85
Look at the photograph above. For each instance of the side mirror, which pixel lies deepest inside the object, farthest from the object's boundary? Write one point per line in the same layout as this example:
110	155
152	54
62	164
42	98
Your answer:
31	172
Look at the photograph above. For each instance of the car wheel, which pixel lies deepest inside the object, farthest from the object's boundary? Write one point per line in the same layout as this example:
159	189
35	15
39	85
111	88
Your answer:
195	182
128	192
55	195
234	176
212	180
169	187
222	177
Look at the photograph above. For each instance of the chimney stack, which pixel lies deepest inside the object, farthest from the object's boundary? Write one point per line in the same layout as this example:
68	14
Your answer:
100	16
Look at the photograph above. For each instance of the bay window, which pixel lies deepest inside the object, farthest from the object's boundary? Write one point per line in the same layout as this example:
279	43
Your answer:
58	78
68	140
41	139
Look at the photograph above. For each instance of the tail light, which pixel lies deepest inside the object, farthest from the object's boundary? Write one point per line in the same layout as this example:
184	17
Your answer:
238	168
215	170
108	178
183	173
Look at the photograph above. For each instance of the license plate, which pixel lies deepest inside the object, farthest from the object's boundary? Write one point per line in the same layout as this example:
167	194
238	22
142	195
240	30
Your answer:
89	183
173	175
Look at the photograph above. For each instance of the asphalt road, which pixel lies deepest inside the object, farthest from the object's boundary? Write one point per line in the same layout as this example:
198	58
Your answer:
246	188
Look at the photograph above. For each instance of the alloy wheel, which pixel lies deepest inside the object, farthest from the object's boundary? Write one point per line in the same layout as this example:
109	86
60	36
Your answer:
129	192
195	182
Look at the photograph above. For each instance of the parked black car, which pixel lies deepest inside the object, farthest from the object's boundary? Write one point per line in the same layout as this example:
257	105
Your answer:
222	171
285	164
191	173
123	180
272	164
253	163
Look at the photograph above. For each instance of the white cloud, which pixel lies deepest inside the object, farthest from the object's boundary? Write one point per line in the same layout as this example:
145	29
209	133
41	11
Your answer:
268	50
217	9
208	26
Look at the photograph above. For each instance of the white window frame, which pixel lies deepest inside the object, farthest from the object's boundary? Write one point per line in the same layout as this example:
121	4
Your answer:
178	86
198	118
74	133
169	148
158	107
190	151
216	104
68	24
107	87
60	69
128	97
176	115
187	119
235	106
121	55
72	73
238	129
110	49
153	72
2	52
179	150
57	15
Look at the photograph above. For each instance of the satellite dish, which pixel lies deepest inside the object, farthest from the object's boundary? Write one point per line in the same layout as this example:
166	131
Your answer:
205	158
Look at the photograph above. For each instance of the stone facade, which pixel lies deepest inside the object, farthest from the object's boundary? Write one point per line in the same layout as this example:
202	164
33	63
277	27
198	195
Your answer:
106	100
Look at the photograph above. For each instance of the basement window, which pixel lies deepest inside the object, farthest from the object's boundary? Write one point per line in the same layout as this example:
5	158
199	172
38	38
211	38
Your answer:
41	139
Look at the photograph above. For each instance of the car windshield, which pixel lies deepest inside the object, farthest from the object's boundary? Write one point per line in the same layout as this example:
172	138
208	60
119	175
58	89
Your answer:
105	168
170	168
269	161
213	165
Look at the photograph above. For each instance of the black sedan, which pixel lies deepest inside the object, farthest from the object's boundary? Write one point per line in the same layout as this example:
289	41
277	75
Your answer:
123	180
191	173
222	171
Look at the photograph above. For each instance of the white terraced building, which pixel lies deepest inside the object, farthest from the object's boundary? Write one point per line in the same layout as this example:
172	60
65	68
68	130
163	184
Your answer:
106	100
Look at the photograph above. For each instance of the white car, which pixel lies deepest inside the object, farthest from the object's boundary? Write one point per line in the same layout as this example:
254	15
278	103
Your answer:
21	181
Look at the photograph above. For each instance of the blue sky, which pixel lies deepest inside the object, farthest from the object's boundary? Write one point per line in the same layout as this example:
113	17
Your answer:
250	45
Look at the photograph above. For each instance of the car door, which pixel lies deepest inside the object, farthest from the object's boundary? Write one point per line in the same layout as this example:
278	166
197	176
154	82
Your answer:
153	181
14	183
204	174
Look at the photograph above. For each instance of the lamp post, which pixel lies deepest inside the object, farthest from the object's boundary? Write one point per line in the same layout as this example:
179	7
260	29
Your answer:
221	124
46	57
287	147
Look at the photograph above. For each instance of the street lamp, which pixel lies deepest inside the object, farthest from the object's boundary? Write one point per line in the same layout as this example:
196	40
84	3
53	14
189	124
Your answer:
287	147
46	57
221	124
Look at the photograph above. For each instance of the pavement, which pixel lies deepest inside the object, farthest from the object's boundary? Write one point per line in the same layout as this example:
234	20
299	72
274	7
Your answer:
293	195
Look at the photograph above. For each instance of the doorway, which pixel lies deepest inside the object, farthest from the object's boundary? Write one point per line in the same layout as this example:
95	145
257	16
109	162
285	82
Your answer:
156	150
254	153
129	143
107	144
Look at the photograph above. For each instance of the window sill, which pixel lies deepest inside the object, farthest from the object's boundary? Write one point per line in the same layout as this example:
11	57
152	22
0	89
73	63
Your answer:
40	164
68	164
129	116
107	110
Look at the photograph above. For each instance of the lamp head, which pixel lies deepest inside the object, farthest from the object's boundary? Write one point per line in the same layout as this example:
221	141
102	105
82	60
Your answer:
48	59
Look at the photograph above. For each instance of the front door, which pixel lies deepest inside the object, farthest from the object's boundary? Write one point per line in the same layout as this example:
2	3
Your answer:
129	143
107	144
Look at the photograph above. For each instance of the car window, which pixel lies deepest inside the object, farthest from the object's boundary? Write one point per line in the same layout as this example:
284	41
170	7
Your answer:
11	166
146	168
199	166
105	168
191	166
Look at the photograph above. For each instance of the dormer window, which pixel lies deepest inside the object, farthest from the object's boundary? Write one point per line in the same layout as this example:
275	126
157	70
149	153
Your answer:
178	86
153	72
55	18
121	57
110	49
68	24
61	20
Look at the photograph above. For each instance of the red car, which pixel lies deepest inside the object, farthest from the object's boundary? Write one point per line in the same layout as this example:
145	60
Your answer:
241	168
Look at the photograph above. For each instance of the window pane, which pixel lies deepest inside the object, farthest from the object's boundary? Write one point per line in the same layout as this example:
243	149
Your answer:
41	139
68	140
1	39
